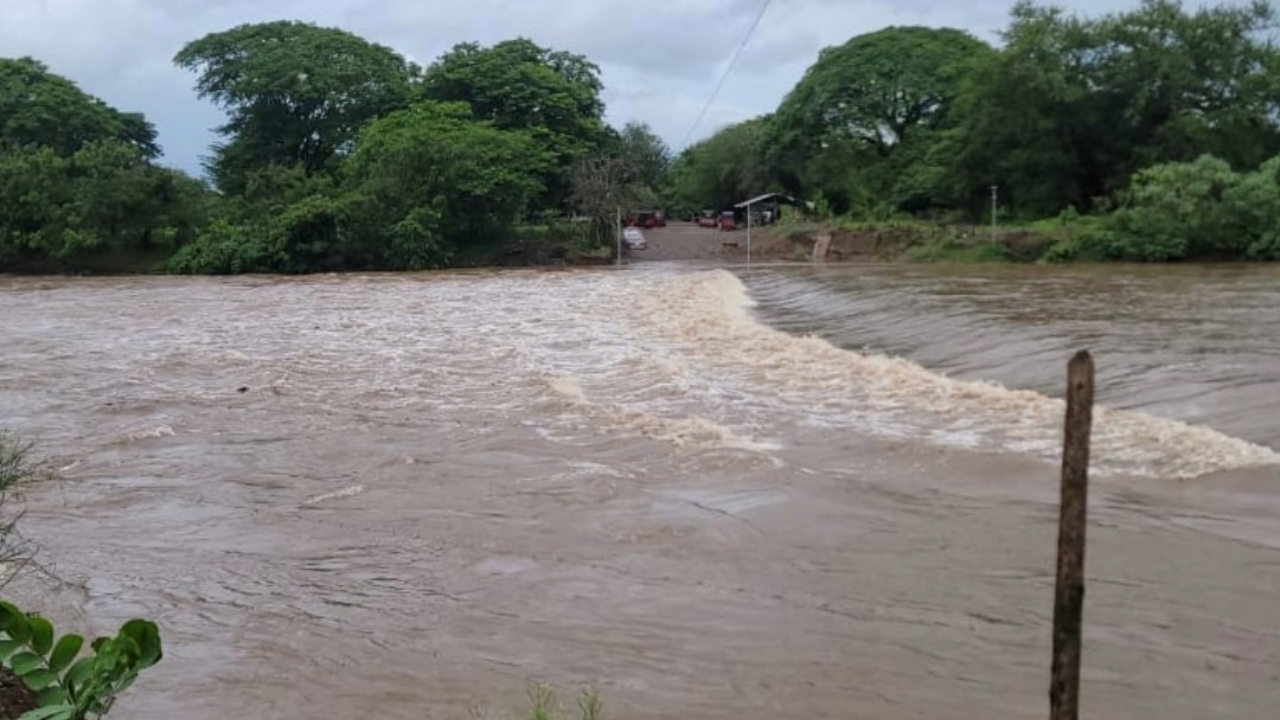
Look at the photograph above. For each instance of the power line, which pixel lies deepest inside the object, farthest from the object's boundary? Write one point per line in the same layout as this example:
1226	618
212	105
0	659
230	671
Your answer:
727	71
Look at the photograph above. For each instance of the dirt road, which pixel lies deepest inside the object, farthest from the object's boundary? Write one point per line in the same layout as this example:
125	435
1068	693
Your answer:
687	241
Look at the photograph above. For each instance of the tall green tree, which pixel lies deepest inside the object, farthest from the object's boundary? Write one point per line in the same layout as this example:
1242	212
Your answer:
859	125
1074	106
519	85
78	185
878	89
40	108
645	156
295	93
629	172
430	183
724	169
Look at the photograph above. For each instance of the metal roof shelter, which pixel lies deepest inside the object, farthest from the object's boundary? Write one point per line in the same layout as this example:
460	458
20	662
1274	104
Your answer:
773	199
777	197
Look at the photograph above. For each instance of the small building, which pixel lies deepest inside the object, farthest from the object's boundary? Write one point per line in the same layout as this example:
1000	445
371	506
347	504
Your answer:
765	209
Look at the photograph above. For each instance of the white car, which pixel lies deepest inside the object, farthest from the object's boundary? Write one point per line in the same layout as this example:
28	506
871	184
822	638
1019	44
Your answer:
635	239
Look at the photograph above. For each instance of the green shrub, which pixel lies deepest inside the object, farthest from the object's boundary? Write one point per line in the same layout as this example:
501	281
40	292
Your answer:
1092	244
223	248
1265	247
66	688
559	237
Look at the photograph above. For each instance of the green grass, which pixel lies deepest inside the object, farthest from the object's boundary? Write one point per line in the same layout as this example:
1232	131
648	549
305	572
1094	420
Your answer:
956	250
954	240
544	705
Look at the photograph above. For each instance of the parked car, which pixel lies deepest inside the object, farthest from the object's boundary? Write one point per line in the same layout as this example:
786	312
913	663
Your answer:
634	238
728	221
707	219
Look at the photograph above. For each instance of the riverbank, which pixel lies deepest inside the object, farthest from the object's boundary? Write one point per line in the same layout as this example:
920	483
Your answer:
1063	239
929	242
897	241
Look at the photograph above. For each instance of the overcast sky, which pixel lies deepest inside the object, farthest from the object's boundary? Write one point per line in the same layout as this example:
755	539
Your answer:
660	58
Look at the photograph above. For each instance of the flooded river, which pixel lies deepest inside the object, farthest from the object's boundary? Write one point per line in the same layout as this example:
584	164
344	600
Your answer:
790	491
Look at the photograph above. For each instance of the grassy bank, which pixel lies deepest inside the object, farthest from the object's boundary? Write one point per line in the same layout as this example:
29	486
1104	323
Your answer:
927	241
1067	238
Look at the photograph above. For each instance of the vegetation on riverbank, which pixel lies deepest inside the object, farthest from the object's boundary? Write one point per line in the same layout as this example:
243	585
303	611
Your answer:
16	470
1176	211
337	154
44	676
1154	131
1151	134
545	705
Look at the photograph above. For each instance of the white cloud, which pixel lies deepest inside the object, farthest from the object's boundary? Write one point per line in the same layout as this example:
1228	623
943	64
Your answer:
660	59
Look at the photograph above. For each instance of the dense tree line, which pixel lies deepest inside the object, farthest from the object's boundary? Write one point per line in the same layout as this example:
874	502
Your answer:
337	153
77	180
1124	116
1156	125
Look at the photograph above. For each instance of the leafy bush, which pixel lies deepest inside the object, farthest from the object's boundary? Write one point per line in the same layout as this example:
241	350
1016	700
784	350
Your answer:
61	212
559	238
1180	211
223	248
66	688
1176	210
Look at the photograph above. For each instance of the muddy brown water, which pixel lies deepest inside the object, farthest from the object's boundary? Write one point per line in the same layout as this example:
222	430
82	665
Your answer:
785	492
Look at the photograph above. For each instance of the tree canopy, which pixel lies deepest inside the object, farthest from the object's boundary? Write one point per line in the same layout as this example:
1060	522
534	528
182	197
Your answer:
519	85
1159	121
865	113
295	93
725	168
77	179
878	88
472	181
1074	106
42	109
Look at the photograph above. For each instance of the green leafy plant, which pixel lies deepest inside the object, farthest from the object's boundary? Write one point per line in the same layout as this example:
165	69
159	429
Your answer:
545	706
67	688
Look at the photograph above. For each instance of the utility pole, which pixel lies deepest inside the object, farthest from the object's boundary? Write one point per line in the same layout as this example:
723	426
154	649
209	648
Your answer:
748	235
619	233
994	203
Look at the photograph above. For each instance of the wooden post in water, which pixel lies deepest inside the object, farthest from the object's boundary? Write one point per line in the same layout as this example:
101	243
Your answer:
1068	606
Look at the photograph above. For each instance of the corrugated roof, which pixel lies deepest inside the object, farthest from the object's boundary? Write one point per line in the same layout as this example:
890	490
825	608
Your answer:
762	198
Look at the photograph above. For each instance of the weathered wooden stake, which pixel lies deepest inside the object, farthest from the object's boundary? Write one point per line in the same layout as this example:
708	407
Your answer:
1068	606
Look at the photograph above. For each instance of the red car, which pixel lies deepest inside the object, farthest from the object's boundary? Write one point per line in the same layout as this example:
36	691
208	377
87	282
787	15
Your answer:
707	219
646	219
728	221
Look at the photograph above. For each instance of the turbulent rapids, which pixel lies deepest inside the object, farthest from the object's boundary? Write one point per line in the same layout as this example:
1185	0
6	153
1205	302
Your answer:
702	491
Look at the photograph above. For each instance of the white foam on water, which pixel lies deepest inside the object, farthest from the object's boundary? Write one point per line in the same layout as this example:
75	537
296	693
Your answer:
688	432
151	433
567	388
706	315
335	495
